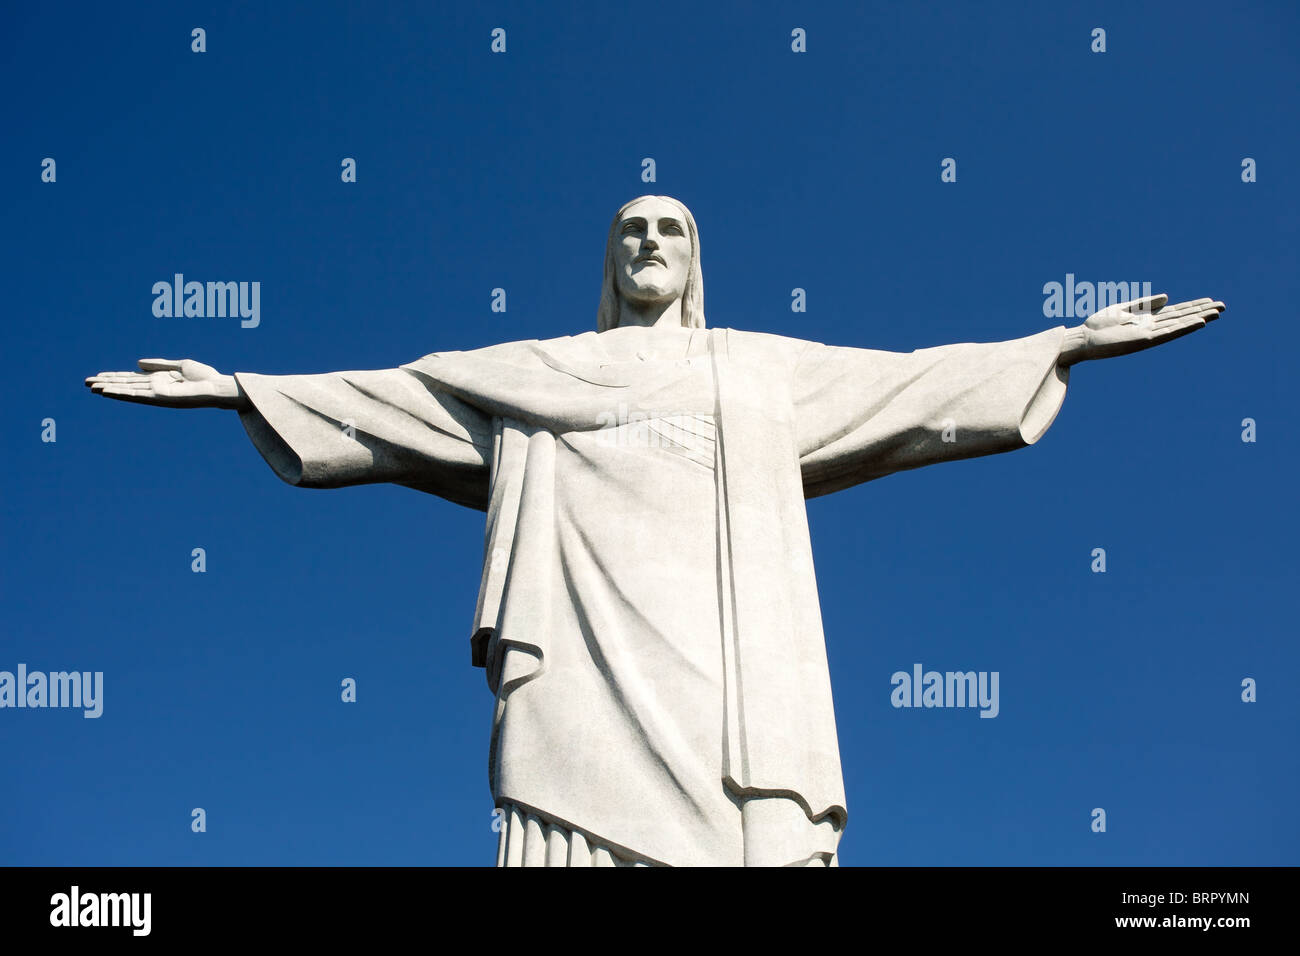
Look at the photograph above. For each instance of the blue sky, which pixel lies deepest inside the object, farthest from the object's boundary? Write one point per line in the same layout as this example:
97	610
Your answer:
818	170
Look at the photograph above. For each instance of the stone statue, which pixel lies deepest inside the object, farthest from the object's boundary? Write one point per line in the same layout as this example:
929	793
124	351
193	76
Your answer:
648	615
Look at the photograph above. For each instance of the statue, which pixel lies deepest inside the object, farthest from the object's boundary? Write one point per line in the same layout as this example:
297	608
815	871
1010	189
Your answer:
648	616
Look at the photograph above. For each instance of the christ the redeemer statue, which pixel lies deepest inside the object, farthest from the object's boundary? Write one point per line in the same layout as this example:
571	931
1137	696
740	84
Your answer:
648	615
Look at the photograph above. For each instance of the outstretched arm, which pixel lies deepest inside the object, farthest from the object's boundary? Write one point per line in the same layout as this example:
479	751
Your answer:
336	428
863	413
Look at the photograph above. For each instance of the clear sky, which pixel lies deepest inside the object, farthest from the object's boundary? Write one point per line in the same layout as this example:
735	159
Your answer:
817	170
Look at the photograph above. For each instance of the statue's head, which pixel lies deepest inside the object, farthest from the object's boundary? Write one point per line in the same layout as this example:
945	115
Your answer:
652	256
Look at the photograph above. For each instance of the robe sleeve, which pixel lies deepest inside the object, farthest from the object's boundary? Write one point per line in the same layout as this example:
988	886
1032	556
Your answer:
862	414
351	428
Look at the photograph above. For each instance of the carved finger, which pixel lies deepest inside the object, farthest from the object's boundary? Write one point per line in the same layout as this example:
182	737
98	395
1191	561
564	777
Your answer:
125	394
1196	307
117	377
1205	311
121	387
1150	303
1174	315
1184	307
160	365
1169	333
1204	301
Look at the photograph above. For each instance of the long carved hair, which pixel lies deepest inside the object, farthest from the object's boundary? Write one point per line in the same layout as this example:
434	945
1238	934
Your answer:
692	295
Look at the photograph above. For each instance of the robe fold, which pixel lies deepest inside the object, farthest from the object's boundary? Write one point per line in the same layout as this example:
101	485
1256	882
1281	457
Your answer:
648	615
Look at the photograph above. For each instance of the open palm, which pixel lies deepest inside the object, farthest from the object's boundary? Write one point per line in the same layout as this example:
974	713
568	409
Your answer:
1132	326
173	383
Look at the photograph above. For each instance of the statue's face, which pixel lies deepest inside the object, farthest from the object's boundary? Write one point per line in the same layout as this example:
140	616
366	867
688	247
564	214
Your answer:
652	252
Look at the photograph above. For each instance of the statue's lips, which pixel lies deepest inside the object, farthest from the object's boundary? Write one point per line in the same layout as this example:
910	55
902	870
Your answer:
655	260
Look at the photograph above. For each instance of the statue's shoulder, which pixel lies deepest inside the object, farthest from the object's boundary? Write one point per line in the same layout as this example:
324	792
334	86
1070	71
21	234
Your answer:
765	339
764	346
522	352
583	342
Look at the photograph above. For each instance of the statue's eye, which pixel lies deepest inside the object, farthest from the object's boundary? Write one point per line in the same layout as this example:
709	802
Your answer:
672	229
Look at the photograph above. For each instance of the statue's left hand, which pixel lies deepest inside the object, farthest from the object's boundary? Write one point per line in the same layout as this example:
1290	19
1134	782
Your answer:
173	383
1132	326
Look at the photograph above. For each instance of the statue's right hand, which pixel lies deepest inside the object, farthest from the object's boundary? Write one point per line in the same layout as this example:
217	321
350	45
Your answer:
173	383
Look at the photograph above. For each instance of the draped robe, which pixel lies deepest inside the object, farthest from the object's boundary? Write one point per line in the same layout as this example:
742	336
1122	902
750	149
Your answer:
648	615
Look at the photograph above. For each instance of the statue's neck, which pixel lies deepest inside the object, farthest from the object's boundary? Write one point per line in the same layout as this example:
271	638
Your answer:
655	315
